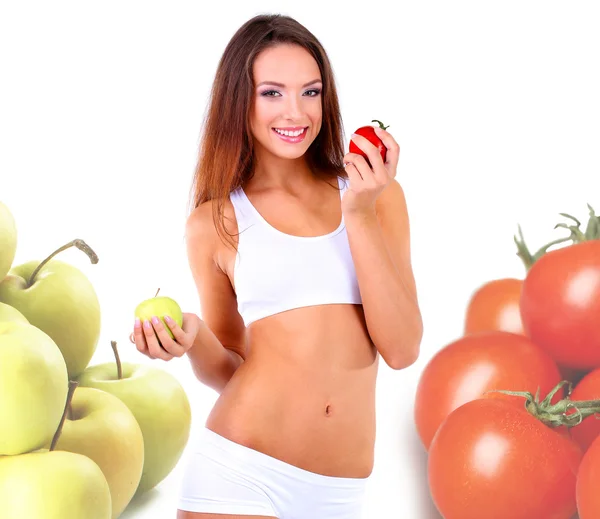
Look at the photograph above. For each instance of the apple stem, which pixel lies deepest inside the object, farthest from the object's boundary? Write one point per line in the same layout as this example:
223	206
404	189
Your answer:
80	244
119	369
72	385
157	292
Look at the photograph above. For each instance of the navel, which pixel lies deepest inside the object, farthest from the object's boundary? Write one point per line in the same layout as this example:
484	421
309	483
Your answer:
328	410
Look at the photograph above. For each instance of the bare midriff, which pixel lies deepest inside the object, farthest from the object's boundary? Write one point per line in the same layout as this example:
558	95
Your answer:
306	392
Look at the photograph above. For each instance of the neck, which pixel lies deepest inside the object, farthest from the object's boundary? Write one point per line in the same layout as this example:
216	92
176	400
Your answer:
275	172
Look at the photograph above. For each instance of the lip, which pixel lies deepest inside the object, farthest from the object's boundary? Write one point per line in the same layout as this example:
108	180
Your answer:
292	140
292	128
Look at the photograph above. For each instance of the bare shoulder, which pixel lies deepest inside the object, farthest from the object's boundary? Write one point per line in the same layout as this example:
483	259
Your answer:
201	229
200	221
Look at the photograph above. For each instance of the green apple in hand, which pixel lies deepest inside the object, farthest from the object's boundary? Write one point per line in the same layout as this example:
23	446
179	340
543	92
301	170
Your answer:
8	313
101	427
50	484
33	388
160	406
58	298
159	307
8	240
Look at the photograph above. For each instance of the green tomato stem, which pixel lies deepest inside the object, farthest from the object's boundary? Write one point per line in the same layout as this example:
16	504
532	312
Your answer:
380	124
72	386
80	244
592	232
555	415
118	359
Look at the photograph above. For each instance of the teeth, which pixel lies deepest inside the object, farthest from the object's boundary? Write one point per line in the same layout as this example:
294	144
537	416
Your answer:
288	133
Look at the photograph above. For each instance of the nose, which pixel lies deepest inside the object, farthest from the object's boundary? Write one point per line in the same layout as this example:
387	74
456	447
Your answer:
293	107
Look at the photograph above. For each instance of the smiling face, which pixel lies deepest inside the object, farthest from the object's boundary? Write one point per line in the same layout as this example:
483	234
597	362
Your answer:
287	109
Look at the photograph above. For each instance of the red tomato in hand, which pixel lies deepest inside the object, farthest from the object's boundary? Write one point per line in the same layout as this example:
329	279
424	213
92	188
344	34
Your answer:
588	483
588	388
369	133
495	306
468	367
491	459
560	304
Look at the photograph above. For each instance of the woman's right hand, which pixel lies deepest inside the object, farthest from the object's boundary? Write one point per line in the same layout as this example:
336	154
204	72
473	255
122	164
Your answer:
145	334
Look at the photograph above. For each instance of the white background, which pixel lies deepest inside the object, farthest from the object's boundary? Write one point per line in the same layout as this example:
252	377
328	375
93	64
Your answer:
495	106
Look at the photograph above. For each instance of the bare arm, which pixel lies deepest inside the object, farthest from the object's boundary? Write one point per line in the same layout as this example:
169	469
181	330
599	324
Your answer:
380	245
212	363
220	345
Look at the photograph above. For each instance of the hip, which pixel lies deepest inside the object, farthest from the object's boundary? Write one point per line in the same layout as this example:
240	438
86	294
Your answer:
225	477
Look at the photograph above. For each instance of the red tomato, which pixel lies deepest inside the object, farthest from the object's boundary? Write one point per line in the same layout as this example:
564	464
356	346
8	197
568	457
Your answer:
495	306
465	369
491	459
560	304
588	388
571	374
369	133
588	483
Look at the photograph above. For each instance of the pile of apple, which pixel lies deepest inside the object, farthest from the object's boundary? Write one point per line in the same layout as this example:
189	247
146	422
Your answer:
76	441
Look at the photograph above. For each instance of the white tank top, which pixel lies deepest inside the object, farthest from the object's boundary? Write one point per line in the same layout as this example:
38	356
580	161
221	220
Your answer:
275	271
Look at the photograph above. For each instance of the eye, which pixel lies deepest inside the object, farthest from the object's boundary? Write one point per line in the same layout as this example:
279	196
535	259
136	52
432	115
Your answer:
270	93
315	92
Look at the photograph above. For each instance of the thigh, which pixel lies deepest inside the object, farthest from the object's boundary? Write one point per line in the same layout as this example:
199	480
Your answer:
195	515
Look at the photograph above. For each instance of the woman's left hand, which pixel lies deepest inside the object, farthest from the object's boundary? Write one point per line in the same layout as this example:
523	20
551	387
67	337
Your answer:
367	183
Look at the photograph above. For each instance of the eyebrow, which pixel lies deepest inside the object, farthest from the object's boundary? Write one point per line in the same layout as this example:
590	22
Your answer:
281	85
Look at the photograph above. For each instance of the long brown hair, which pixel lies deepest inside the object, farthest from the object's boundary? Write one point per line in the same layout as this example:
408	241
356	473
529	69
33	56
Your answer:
226	152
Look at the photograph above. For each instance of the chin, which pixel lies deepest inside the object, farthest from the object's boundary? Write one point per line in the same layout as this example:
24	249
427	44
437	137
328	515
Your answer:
289	151
290	154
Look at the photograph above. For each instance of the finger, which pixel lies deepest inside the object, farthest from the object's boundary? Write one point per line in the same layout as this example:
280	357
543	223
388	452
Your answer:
168	344
377	166
138	338
190	327
393	148
353	175
361	164
154	348
178	333
370	150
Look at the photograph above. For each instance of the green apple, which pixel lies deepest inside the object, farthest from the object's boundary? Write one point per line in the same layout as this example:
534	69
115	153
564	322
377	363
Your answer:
59	299
103	428
8	240
51	485
159	307
33	388
8	313
160	406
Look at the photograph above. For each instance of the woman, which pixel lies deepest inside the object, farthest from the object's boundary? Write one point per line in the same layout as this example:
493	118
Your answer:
301	258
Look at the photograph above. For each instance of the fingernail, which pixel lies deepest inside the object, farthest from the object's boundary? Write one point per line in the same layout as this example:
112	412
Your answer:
155	319
137	324
147	324
353	135
167	319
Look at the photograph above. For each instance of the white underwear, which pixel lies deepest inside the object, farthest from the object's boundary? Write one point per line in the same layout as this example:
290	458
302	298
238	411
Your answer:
224	477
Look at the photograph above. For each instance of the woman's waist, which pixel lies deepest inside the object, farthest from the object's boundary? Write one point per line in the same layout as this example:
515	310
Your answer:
321	423
287	390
